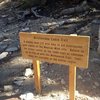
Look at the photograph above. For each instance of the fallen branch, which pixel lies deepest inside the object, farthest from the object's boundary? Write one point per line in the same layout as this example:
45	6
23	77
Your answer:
78	9
47	27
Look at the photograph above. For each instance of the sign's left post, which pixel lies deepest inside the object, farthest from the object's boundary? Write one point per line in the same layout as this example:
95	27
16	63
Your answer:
36	67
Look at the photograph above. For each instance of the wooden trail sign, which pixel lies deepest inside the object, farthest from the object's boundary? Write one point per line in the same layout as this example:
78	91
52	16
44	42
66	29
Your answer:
60	49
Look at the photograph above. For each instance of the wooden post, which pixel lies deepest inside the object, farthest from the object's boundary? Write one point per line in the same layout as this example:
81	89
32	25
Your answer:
72	82
36	65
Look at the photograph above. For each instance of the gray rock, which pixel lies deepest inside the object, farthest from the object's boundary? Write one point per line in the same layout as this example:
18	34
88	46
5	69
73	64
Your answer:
13	46
96	84
49	81
7	41
11	49
53	95
10	19
2	47
4	16
80	77
3	55
18	82
25	29
8	88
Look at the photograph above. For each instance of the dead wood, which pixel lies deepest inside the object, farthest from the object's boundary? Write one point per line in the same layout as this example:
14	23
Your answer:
78	23
77	9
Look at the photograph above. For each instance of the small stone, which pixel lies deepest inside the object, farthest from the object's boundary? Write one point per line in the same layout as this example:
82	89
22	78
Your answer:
3	55
10	19
53	95
27	96
8	94
79	77
3	16
18	82
11	49
28	72
8	88
96	84
16	91
94	87
25	29
63	81
49	81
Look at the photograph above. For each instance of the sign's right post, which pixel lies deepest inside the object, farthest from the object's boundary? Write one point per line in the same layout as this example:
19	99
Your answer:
72	82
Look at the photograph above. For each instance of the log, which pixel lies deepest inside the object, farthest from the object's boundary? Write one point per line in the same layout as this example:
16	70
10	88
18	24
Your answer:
77	9
78	23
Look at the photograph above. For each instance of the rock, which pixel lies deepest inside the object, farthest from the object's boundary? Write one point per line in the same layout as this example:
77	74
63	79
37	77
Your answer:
7	40
49	81
18	82
11	49
10	45
80	77
27	96
8	94
25	29
63	81
28	72
10	19
3	55
53	95
94	87
96	84
2	47
8	88
4	16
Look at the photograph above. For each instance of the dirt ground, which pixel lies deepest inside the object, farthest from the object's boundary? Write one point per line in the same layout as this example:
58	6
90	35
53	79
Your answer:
54	77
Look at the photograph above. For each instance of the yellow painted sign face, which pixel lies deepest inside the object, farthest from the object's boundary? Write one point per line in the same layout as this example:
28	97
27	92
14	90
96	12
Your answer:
60	49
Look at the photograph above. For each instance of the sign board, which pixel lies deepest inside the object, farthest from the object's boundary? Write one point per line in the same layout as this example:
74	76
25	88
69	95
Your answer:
59	49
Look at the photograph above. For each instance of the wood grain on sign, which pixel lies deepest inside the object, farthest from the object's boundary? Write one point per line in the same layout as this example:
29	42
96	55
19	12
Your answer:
60	49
